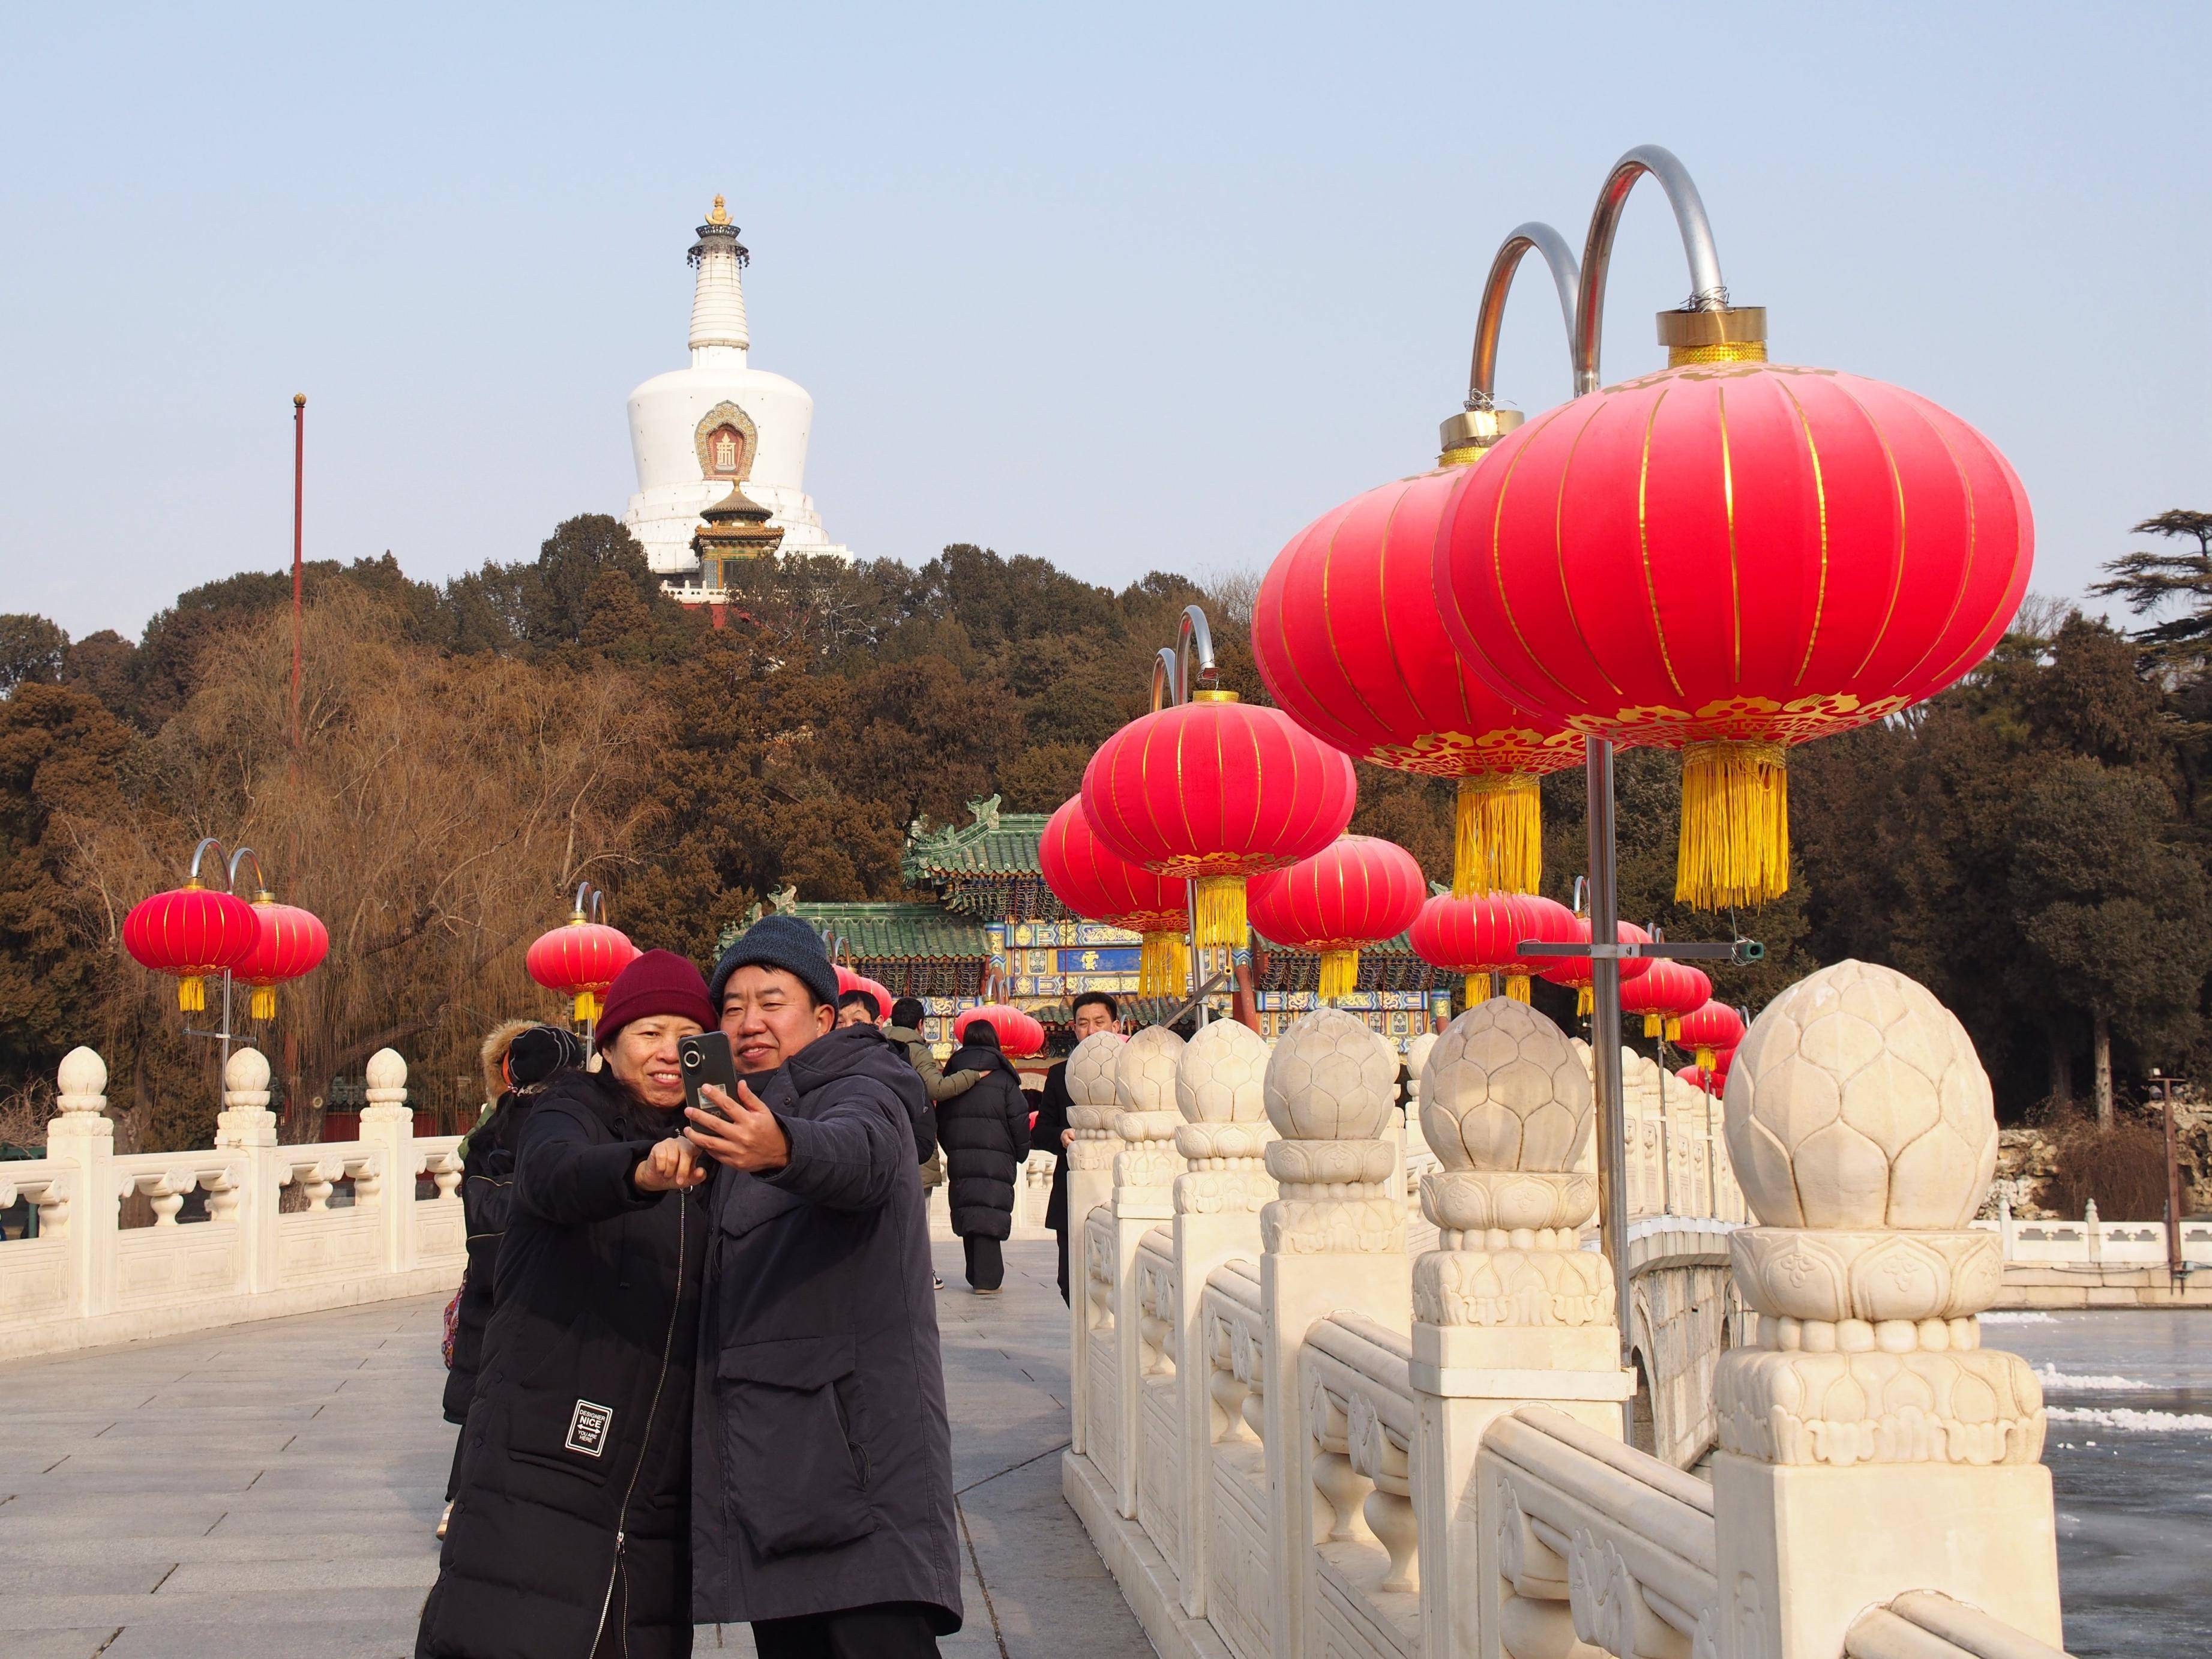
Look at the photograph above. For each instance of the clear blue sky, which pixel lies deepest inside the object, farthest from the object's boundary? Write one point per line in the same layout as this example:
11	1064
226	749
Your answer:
1125	287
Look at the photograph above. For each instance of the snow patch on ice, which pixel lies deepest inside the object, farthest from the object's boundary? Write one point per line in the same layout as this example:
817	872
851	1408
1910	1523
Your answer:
2123	1417
2018	1319
2055	1381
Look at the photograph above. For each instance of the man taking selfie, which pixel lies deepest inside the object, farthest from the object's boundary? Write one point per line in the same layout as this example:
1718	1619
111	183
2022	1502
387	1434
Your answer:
821	1455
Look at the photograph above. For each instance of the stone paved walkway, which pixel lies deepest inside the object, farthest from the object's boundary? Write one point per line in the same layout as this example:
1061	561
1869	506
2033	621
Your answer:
269	1489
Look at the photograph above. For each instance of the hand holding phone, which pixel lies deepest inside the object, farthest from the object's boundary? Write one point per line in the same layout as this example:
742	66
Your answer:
705	1058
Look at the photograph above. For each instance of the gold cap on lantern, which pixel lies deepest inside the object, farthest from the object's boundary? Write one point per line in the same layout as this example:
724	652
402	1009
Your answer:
1735	334
1465	437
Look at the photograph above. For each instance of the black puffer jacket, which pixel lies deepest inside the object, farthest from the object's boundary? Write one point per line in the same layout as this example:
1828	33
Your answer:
486	1207
985	1135
572	1506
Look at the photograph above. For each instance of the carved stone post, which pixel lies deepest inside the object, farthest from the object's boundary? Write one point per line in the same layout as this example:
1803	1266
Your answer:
388	1126
1220	1088
1145	1173
1334	1240
1511	1311
81	1136
1869	1443
1091	1156
246	1124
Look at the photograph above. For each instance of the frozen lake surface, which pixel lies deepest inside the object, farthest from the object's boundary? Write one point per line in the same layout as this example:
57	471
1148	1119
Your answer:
2129	1394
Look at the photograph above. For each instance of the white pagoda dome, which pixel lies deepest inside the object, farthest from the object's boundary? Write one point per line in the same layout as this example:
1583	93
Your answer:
697	431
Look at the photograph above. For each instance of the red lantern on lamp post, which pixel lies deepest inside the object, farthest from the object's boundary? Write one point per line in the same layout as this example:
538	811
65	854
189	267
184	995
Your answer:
1481	936
1711	1030
581	958
1357	890
291	942
1100	886
1578	973
1664	995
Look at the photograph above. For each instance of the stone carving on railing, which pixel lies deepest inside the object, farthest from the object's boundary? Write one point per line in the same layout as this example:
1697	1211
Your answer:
1224	1132
1091	1110
1090	1156
1144	1172
1331	1086
1147	1119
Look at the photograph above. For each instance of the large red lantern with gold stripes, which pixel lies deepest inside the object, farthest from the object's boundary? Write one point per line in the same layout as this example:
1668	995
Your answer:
291	942
1481	936
1357	890
1575	971
1101	885
1213	791
580	959
1347	635
1711	1030
1728	557
194	932
1664	994
1018	1033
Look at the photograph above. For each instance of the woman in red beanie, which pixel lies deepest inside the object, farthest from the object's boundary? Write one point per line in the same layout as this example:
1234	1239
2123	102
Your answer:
570	1529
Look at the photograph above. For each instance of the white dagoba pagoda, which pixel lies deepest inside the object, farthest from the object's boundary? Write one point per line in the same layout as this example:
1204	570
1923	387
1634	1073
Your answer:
701	432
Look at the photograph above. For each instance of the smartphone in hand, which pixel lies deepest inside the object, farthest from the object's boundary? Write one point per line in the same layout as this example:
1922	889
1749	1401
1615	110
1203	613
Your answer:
705	1058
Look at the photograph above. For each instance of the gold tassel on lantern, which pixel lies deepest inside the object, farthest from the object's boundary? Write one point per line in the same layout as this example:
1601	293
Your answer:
264	1006
587	1006
1585	1002
191	995
1516	987
1735	826
1340	975
1478	989
1673	1029
1164	966
1497	834
1706	1059
1220	905
1652	1024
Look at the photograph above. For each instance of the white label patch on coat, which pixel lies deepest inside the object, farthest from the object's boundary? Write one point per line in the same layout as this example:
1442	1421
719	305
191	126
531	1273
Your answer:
587	1428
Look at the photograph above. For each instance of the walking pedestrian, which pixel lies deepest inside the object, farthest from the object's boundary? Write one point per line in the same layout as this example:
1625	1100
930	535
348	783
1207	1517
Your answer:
905	1030
823	1454
518	1057
985	1132
1094	1012
571	1518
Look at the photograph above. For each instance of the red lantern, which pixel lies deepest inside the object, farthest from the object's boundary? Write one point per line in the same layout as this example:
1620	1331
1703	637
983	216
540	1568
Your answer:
1480	936
1101	885
1575	971
1726	558
1212	791
580	960
1357	891
1666	992
194	932
848	980
1018	1033
1702	1080
291	942
1346	634
1709	1031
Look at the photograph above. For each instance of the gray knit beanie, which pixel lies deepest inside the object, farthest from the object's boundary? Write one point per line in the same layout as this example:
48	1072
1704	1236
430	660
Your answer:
778	941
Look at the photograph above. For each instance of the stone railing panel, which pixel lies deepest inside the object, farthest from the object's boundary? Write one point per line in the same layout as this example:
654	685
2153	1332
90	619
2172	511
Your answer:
1091	1155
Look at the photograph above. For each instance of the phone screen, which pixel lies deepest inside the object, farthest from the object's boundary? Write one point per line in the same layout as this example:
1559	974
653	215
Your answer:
706	1059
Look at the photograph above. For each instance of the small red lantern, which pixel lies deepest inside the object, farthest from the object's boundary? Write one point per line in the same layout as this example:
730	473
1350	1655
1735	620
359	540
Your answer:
291	942
1576	971
1480	936
1347	635
1664	995
848	980
1018	1033
1710	1030
580	960
1702	1080
1357	891
1213	791
194	932
1100	886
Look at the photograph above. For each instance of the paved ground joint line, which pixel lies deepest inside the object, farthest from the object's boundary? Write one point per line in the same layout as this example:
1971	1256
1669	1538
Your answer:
990	1608
1011	1468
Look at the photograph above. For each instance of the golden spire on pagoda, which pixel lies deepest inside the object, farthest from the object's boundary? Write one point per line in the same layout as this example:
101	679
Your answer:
720	215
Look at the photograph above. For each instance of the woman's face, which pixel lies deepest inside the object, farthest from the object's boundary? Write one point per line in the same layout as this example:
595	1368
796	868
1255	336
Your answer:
644	1060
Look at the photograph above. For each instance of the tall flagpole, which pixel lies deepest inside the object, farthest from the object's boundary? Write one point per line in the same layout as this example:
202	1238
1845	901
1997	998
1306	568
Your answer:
298	475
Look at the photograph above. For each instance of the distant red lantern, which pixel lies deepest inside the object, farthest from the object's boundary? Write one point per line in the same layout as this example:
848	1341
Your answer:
1575	971
193	932
1357	891
1213	791
1666	992
580	959
1710	1030
848	980
1347	634
1479	936
1101	885
291	942
1018	1033
1702	1080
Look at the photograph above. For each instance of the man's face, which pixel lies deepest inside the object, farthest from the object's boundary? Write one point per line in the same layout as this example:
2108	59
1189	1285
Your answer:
768	1017
853	1013
1091	1020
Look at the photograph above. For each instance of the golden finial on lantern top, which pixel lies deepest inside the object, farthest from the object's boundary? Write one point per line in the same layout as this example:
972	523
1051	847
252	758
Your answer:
718	215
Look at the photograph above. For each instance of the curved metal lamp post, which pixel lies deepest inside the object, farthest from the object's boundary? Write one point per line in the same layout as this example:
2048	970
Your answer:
224	1037
1171	684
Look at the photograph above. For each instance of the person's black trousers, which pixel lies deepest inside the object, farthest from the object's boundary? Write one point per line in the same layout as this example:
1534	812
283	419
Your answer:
888	1630
1061	1233
986	1262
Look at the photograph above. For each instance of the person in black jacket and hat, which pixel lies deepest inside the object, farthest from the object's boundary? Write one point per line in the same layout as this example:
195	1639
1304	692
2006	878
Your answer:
821	1455
985	1135
570	1524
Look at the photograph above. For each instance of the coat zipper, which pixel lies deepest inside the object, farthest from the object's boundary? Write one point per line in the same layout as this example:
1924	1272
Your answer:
652	1411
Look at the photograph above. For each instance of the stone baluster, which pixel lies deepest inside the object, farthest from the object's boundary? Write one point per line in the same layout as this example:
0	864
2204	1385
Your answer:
247	1125
1090	1156
2092	1230
1145	1173
82	1137
1334	1240
1508	1311
1220	1088
1869	1444
387	1126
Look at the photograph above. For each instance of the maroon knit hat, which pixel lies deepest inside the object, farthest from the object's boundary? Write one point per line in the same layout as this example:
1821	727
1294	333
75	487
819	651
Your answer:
655	982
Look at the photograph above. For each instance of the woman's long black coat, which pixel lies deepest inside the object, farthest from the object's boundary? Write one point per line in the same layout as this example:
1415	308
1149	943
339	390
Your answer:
573	1507
487	1208
985	1132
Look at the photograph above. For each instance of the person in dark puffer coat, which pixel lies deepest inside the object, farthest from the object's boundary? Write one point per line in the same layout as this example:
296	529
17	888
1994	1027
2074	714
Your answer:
985	1132
570	1526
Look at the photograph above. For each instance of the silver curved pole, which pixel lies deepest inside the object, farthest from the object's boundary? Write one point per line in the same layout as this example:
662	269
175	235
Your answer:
1707	291
199	852
1165	692
1490	320
1171	665
260	881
